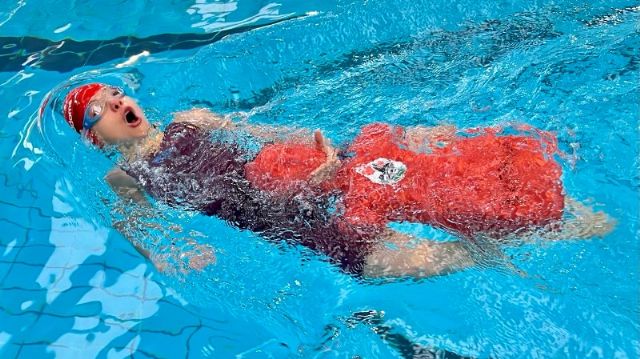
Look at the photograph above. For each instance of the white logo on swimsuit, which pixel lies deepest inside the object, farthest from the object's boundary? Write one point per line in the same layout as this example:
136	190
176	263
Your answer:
383	171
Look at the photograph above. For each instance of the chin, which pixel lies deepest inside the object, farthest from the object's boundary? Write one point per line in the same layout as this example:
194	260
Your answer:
142	131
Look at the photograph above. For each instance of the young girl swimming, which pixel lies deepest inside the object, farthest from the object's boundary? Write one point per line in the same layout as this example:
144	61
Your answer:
301	191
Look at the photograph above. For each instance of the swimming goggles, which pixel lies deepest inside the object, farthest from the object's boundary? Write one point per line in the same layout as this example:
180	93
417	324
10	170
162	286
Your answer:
95	108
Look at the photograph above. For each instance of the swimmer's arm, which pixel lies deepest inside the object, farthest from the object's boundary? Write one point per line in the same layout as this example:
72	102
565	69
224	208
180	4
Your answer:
401	255
125	186
142	216
203	118
207	120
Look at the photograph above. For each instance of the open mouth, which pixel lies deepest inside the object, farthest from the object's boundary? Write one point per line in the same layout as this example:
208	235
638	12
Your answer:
132	119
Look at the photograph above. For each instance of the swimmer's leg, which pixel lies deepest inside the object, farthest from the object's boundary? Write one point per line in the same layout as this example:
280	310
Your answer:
399	256
580	222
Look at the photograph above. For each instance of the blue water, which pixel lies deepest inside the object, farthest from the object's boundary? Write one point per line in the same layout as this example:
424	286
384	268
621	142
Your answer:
73	287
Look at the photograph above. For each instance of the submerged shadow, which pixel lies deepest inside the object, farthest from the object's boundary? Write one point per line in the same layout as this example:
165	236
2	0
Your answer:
65	55
404	346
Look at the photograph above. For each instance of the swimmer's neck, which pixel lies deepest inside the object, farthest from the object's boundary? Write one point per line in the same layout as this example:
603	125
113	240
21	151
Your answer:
142	147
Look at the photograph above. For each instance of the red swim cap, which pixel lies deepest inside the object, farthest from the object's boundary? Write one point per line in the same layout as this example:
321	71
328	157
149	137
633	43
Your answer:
75	104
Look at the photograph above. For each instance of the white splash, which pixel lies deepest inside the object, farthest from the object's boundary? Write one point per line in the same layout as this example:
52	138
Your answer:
62	28
133	59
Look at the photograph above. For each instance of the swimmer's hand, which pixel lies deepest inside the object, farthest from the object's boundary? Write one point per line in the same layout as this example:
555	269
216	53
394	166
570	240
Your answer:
204	119
125	186
175	260
328	169
143	226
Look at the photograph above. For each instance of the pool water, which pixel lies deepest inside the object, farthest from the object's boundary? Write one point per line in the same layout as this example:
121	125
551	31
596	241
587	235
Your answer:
73	287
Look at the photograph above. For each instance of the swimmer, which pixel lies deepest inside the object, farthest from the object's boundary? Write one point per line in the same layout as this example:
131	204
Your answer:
183	166
483	186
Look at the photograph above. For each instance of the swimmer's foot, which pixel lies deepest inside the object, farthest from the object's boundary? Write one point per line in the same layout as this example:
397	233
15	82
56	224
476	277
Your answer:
487	252
401	256
583	223
597	224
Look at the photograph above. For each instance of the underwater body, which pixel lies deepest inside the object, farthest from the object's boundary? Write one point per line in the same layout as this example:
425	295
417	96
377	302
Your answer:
74	287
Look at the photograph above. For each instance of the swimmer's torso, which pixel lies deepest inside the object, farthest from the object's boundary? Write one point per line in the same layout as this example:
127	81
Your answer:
191	170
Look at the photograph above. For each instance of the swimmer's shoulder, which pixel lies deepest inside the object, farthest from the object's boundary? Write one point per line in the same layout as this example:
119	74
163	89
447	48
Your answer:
202	118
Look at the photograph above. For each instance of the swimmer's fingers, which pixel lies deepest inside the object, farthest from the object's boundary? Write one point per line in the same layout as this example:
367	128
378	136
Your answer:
332	163
319	140
322	143
325	146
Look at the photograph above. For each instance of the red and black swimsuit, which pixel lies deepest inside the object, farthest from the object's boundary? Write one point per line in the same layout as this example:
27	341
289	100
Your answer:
190	170
481	182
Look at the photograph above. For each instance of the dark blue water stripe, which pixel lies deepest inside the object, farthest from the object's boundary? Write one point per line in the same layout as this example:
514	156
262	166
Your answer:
17	53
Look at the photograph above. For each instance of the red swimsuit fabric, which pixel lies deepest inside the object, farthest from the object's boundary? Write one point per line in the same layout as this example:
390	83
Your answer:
483	182
283	166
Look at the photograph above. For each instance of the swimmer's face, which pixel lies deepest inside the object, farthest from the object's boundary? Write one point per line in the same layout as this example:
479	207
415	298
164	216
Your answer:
118	118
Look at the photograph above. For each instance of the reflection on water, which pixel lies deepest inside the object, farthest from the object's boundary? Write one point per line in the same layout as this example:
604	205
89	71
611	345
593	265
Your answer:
121	309
70	251
214	14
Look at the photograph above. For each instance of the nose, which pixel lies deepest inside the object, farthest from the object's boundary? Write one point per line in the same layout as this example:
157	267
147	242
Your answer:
115	103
